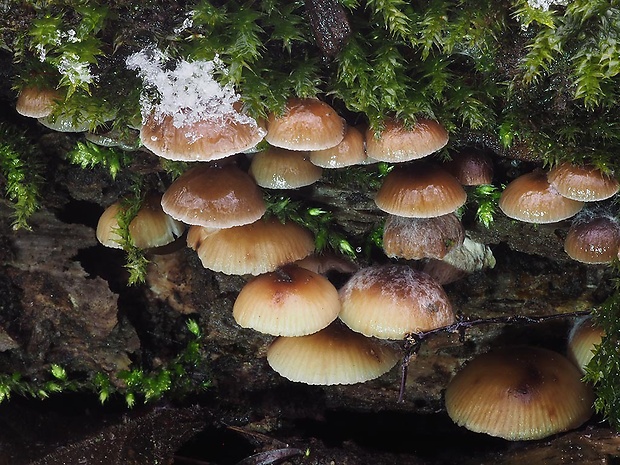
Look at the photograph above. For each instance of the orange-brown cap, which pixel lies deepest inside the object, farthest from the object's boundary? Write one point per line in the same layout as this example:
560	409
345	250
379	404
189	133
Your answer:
420	190
417	238
151	227
350	151
202	140
37	102
595	240
398	144
471	168
583	183
584	336
215	197
255	248
532	199
334	355
277	168
306	124
290	301
391	301
519	393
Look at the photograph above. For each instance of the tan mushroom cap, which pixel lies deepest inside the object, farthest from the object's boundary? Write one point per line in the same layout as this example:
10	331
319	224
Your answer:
471	168
306	124
37	102
255	248
334	355
203	140
350	151
215	197
397	144
417	238
391	301
583	338
277	168
530	198
421	190
290	301
151	227
583	183
519	393
593	241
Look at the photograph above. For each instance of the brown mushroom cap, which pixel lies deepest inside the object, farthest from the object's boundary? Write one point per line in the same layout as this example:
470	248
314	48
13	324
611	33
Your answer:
583	183
255	248
583	338
471	168
593	241
420	190
398	144
36	102
215	197
334	355
151	227
350	151
307	124
203	140
391	301
519	393
290	301
532	199
417	238
277	168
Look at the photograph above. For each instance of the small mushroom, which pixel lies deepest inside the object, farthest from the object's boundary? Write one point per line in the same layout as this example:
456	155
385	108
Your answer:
350	151
583	338
277	168
582	183
594	240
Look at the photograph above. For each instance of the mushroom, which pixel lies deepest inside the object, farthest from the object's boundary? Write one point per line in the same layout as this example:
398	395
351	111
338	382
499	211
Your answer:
151	227
519	393
277	168
584	337
255	248
306	124
420	190
417	238
290	301
334	355
350	151
583	183
214	197
530	198
397	144
208	138
37	102
471	168
593	241
391	301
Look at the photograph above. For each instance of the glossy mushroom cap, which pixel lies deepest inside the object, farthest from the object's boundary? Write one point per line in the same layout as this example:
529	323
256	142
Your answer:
593	241
584	336
151	227
583	183
202	140
334	355
255	248
277	168
417	238
398	144
519	393
350	151
391	301
215	197
471	168
530	198
420	190
290	301
306	124
35	102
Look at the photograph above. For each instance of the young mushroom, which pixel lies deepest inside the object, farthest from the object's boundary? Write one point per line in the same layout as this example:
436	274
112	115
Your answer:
582	183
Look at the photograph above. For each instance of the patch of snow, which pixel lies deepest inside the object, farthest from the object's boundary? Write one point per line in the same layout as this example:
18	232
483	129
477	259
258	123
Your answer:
545	4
